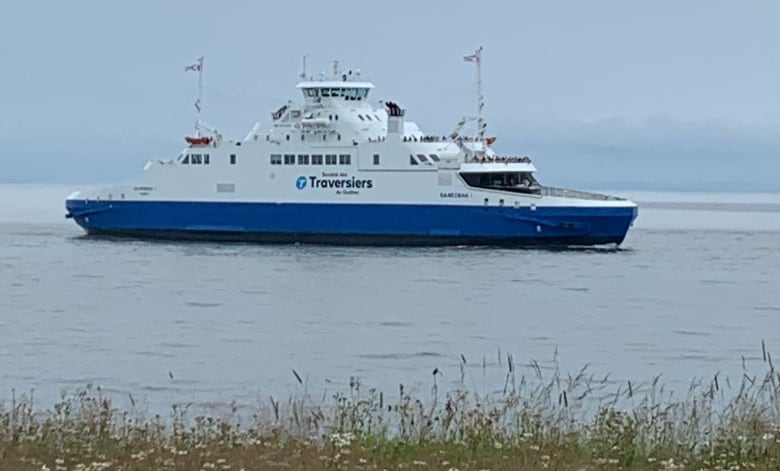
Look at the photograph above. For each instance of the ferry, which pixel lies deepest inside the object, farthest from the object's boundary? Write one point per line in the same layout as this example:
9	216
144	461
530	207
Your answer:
339	167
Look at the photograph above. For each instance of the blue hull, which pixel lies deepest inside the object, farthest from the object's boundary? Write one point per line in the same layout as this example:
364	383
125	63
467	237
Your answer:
373	224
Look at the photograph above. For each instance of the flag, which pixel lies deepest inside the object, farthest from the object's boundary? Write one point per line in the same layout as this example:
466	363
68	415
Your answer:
197	67
197	105
471	58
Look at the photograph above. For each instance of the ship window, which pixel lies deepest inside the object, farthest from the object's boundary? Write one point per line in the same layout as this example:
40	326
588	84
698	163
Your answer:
325	92
232	159
434	157
186	159
335	92
336	117
361	117
369	118
206	159
276	159
324	137
376	159
316	159
518	182
338	137
195	159
303	159
377	118
288	137
362	93
330	159
345	159
289	159
412	160
422	158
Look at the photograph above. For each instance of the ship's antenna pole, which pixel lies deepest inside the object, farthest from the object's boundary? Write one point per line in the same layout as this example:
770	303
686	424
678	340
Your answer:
197	67
477	59
200	84
303	70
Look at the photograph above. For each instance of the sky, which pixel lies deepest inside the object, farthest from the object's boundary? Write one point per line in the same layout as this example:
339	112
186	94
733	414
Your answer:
661	94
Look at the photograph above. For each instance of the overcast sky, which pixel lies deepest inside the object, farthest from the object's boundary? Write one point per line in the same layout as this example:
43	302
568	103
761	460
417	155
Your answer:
598	91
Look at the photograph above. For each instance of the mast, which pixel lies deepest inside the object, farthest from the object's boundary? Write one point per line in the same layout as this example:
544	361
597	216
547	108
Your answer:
477	59
303	70
197	67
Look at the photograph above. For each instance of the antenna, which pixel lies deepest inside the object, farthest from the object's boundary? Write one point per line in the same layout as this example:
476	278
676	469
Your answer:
303	70
335	70
477	59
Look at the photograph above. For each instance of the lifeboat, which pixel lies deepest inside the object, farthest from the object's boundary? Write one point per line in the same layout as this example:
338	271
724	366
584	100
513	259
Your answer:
490	140
198	140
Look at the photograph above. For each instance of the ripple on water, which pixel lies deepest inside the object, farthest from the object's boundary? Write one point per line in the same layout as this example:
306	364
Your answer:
395	324
202	304
693	333
399	356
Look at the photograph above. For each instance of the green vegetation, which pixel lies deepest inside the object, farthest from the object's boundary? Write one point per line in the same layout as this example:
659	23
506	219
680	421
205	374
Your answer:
534	422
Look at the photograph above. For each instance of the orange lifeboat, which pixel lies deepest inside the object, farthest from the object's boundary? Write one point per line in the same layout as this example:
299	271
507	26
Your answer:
198	140
490	140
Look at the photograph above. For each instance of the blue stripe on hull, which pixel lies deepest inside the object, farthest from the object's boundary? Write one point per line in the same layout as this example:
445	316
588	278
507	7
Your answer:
378	224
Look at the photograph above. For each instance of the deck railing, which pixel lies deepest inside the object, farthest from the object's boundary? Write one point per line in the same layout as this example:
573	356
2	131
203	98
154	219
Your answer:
583	195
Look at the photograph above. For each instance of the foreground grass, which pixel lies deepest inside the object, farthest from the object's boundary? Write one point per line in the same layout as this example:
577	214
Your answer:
532	423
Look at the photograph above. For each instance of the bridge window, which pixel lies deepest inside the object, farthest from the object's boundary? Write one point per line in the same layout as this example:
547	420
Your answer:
276	159
325	92
316	159
412	160
330	159
303	159
345	159
289	159
518	182
369	118
422	158
434	157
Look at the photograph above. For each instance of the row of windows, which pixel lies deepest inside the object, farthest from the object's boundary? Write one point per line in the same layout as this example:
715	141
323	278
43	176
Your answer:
303	137
196	159
316	159
348	93
203	159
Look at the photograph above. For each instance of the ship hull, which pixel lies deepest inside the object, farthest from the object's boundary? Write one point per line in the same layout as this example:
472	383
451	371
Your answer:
355	224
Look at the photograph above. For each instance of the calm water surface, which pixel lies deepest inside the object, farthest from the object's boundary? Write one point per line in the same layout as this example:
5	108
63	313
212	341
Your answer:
693	290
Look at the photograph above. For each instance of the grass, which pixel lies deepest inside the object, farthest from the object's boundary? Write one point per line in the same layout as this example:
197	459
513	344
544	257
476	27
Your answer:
533	422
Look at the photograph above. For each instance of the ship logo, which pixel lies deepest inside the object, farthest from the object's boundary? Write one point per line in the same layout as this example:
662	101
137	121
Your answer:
300	183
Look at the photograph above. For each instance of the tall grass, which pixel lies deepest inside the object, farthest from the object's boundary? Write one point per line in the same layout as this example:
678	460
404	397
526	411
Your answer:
535	420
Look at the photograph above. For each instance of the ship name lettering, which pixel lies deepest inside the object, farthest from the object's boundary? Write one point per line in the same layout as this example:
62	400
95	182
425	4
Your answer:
353	182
